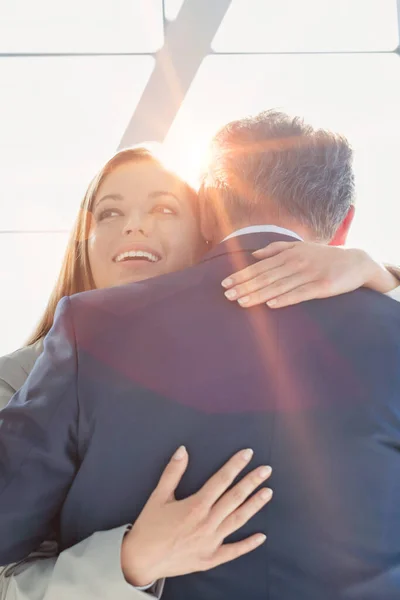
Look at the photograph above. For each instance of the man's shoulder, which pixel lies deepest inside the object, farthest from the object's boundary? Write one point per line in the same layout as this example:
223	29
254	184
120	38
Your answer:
362	314
122	300
367	301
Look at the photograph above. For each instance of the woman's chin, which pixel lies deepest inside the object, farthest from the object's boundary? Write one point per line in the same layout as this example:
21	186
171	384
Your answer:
139	272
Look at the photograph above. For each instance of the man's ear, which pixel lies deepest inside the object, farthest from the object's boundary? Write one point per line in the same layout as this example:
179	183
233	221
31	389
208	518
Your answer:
340	237
208	218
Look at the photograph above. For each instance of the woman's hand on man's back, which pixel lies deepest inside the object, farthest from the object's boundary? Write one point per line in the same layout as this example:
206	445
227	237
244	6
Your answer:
176	537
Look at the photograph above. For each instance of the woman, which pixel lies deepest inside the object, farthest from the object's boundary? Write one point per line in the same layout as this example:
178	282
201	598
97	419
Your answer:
96	259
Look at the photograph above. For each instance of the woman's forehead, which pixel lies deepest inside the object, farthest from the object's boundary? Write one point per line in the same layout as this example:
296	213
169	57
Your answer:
139	177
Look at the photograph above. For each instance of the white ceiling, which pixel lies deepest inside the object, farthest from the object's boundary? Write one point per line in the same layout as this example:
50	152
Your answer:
61	117
76	26
304	25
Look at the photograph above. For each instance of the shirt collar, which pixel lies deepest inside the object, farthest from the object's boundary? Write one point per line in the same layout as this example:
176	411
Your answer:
263	229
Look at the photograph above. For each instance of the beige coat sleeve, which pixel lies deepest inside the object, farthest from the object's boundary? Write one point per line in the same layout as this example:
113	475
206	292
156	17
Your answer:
395	294
90	570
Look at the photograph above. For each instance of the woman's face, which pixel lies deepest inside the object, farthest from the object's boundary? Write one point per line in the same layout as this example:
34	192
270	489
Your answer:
144	225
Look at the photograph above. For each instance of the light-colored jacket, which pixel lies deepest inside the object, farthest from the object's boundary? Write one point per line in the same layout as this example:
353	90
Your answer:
90	570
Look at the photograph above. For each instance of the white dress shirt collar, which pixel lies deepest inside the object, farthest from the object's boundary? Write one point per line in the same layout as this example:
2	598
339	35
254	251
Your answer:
395	294
263	229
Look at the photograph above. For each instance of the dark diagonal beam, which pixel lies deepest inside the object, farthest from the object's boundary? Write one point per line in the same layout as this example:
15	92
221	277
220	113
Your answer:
187	41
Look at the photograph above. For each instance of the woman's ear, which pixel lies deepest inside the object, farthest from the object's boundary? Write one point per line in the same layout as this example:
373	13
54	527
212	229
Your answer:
340	237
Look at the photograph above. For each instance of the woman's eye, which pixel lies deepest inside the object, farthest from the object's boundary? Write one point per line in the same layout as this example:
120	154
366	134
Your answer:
164	210
107	213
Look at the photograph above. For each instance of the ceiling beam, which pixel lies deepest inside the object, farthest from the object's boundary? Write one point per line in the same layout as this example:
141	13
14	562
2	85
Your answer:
187	42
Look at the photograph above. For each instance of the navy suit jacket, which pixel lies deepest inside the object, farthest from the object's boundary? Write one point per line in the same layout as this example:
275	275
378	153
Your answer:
129	374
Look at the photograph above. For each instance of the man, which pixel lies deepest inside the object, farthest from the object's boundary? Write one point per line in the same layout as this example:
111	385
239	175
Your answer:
313	389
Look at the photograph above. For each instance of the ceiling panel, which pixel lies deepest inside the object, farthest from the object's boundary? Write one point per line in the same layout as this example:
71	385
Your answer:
76	26
308	26
62	117
358	95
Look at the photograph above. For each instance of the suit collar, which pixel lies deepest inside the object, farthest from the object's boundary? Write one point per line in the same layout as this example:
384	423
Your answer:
249	242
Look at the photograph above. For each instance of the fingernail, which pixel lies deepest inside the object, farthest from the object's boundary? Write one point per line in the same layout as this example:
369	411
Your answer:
266	494
231	294
272	302
227	283
180	453
243	301
247	454
260	539
264	472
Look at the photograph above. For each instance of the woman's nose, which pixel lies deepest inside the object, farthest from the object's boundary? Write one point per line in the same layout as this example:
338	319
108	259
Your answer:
136	224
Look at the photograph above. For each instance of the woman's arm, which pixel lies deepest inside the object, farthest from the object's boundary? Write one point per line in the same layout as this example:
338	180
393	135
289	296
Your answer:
291	272
79	572
37	462
170	537
87	571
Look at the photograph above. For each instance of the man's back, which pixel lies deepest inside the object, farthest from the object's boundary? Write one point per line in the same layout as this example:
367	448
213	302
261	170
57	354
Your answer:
128	375
313	389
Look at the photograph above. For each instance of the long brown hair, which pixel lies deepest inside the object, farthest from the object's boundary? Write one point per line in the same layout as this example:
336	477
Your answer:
75	275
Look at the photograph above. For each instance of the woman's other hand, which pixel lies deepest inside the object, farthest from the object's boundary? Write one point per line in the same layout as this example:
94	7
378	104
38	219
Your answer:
291	272
176	537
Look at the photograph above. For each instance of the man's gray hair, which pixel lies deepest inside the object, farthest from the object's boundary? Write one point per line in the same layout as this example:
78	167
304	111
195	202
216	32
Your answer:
272	159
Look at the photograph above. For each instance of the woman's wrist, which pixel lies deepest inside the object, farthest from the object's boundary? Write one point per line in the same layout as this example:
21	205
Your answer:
133	565
378	278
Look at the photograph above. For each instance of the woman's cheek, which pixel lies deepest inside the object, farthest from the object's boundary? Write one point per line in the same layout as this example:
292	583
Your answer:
98	246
